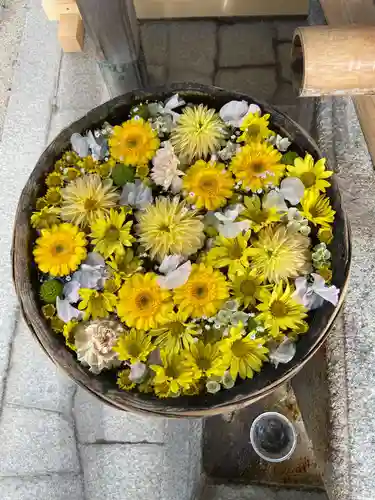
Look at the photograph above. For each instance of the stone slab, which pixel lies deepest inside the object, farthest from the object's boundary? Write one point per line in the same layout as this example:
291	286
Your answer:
285	29
51	487
36	442
193	45
285	95
155	36
34	381
257	82
186	75
97	422
124	471
242	44
62	118
157	74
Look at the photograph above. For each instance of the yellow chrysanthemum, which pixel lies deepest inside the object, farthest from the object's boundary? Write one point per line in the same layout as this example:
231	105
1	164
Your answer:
231	253
175	332
87	198
96	304
247	289
110	234
325	272
207	358
72	173
60	250
47	217
174	375
243	354
123	380
279	311
279	253
255	128
317	209
204	293
313	175
54	179
125	264
69	334
199	132
133	346
208	185
258	216
257	165
142	303
134	142
167	227
53	196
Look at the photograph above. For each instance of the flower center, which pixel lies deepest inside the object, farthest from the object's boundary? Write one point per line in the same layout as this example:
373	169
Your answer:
209	183
278	309
143	301
235	252
134	349
90	204
176	328
308	179
200	291
257	166
164	228
204	364
239	348
253	130
248	287
112	234
172	371
59	248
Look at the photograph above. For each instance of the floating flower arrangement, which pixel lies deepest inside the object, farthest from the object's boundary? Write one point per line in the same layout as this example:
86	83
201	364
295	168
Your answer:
183	249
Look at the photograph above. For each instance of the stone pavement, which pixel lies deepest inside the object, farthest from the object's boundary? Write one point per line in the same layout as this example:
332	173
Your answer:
57	441
246	55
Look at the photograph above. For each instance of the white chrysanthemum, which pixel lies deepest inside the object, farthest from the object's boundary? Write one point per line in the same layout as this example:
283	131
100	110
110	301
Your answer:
95	341
165	170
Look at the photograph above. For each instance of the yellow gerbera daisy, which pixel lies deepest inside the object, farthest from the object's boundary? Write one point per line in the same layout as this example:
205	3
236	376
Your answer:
60	250
317	209
279	253
208	185
257	165
134	142
204	293
123	380
87	198
174	375
167	227
255	128
313	175
207	358
176	332
133	346
125	264
247	289
96	304
279	312
110	234
142	303
199	132
231	253
243	354
259	216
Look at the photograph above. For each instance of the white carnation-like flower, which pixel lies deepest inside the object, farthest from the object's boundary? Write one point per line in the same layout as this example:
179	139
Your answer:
95	341
165	170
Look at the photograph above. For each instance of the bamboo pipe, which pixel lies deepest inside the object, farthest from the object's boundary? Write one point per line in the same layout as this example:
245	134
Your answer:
334	61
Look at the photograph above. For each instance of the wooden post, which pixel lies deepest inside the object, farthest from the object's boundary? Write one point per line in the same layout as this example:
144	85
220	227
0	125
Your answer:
113	26
341	13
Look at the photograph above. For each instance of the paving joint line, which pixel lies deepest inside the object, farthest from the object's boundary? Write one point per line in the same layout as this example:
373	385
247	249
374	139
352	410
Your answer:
4	380
76	440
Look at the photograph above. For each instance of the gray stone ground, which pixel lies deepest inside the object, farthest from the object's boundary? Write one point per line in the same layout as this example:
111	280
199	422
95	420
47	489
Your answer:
248	56
57	442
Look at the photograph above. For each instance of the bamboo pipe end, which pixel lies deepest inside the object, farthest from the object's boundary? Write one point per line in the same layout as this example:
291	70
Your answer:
298	63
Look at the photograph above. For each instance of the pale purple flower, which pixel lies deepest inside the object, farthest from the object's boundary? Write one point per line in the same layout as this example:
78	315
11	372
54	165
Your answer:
136	195
313	295
66	312
282	353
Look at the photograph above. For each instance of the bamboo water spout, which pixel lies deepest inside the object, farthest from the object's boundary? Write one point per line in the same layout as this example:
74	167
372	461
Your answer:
334	60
